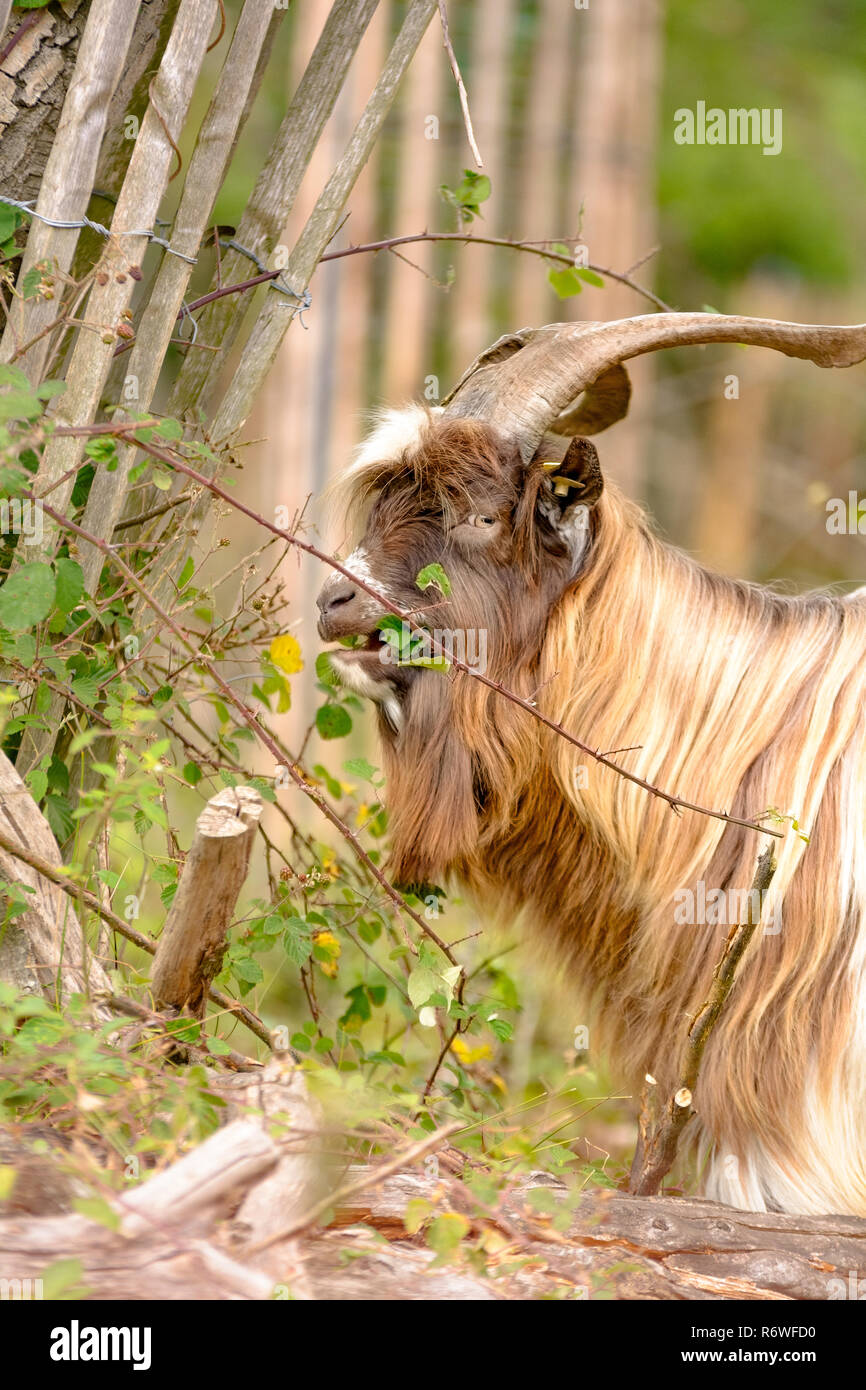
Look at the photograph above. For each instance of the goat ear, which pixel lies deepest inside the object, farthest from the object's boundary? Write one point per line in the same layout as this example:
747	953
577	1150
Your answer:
576	483
578	478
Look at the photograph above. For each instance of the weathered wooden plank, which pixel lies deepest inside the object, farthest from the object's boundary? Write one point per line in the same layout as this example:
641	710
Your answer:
204	179
137	207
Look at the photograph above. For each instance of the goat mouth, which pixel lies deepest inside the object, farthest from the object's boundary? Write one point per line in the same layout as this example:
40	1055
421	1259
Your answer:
369	651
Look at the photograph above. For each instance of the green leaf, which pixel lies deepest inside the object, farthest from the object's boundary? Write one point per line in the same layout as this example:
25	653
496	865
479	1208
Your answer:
37	781
387	1057
46	390
58	813
170	429
8	221
566	282
358	1011
186	573
590	276
297	941
248	970
27	597
70	585
422	983
324	669
445	1234
475	188
102	450
192	773
359	767
25	649
417	1213
20	405
332	721
32	280
543	1200
330	782
58	776
86	689
434	574
64	1279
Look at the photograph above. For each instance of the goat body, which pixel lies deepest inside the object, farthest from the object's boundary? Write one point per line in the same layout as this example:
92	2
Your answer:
725	693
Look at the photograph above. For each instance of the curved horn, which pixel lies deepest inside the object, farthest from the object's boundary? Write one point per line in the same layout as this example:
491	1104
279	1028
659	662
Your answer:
528	382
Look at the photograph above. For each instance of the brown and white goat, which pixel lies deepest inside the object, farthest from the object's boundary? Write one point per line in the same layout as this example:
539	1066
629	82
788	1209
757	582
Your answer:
729	694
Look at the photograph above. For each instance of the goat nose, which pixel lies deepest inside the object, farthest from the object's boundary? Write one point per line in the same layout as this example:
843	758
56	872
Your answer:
336	595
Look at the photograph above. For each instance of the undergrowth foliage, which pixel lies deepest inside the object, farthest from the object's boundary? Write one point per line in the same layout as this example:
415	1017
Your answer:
402	1020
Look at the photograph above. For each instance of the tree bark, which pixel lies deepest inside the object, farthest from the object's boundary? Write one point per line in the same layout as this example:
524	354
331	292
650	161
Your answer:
35	77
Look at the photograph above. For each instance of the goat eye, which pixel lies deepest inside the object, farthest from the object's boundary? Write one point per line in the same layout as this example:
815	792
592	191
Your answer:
478	520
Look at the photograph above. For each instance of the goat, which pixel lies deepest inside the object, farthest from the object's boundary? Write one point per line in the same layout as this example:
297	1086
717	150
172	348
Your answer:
726	693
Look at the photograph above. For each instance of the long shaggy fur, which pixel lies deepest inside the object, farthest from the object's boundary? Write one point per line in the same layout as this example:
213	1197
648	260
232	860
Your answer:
736	697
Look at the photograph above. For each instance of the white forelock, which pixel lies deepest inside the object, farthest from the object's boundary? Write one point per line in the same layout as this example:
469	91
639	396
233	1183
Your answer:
395	431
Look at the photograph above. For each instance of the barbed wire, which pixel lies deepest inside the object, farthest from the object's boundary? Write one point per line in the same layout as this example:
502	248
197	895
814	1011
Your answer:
94	226
303	297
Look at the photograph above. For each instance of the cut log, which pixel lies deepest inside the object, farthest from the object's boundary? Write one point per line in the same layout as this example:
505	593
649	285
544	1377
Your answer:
193	941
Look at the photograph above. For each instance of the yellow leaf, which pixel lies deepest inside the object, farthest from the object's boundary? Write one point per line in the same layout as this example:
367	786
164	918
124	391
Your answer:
468	1055
285	652
327	942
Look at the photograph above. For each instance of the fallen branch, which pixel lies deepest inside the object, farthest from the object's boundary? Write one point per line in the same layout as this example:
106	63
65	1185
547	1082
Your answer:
371	1177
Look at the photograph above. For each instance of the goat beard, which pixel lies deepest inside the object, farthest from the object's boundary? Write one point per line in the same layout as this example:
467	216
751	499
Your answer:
456	772
431	789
